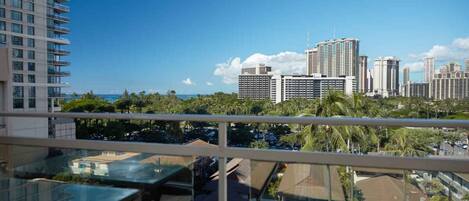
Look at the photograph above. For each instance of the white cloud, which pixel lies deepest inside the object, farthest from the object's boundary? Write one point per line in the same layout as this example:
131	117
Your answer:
462	43
456	51
209	83
281	63
188	81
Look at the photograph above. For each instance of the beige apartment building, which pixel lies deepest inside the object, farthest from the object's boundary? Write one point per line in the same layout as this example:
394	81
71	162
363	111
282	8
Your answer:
32	64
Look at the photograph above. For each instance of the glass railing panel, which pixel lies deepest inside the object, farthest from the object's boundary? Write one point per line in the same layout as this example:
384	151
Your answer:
73	174
263	180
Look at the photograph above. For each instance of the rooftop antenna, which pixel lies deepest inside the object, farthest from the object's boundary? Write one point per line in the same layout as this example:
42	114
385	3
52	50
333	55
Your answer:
308	40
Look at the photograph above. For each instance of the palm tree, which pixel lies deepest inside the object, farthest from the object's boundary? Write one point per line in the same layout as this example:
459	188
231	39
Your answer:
405	142
325	137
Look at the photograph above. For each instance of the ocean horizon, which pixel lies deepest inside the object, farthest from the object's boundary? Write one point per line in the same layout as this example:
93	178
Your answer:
113	97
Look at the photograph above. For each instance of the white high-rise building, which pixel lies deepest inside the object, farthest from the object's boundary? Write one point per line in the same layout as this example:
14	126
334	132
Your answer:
429	68
369	81
254	82
337	57
386	76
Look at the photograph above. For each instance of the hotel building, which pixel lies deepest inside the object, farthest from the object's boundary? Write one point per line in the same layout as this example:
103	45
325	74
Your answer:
286	87
254	83
450	83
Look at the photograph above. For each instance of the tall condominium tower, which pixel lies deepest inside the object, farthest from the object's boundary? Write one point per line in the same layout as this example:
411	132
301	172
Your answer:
429	68
339	57
406	75
363	69
31	51
312	61
386	76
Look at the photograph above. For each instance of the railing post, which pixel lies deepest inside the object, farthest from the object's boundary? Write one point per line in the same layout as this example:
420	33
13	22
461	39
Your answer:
222	183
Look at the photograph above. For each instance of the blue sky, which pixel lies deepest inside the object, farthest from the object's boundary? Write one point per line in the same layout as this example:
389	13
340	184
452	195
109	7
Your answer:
157	45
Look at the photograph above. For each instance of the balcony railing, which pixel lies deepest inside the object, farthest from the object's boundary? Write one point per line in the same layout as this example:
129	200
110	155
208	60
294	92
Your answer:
56	95
60	8
59	18
59	63
223	152
59	29
59	52
58	73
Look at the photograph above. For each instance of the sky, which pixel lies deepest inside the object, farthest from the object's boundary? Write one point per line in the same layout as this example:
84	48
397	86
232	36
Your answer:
199	47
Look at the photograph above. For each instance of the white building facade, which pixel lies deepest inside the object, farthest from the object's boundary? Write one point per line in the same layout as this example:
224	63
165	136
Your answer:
386	76
286	87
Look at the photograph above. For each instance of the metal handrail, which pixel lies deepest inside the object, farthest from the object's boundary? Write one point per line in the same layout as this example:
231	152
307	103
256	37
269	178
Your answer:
333	121
222	151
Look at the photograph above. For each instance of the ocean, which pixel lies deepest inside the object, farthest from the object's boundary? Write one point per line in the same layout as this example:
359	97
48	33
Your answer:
113	97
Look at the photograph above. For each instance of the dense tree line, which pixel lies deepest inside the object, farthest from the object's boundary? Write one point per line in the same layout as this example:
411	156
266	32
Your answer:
399	141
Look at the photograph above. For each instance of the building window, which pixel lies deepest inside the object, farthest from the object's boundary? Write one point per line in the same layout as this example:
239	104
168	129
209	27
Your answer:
17	53
32	92
30	18
31	30
30	6
17	65
31	42
2	12
18	78
32	103
31	54
31	66
18	92
16	40
3	26
17	28
17	4
18	103
3	38
32	97
31	78
15	15
2	2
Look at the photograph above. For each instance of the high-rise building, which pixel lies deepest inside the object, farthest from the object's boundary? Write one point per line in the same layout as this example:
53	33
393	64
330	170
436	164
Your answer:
286	87
31	61
386	76
339	57
312	61
406	75
254	83
450	83
429	68
369	81
363	69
